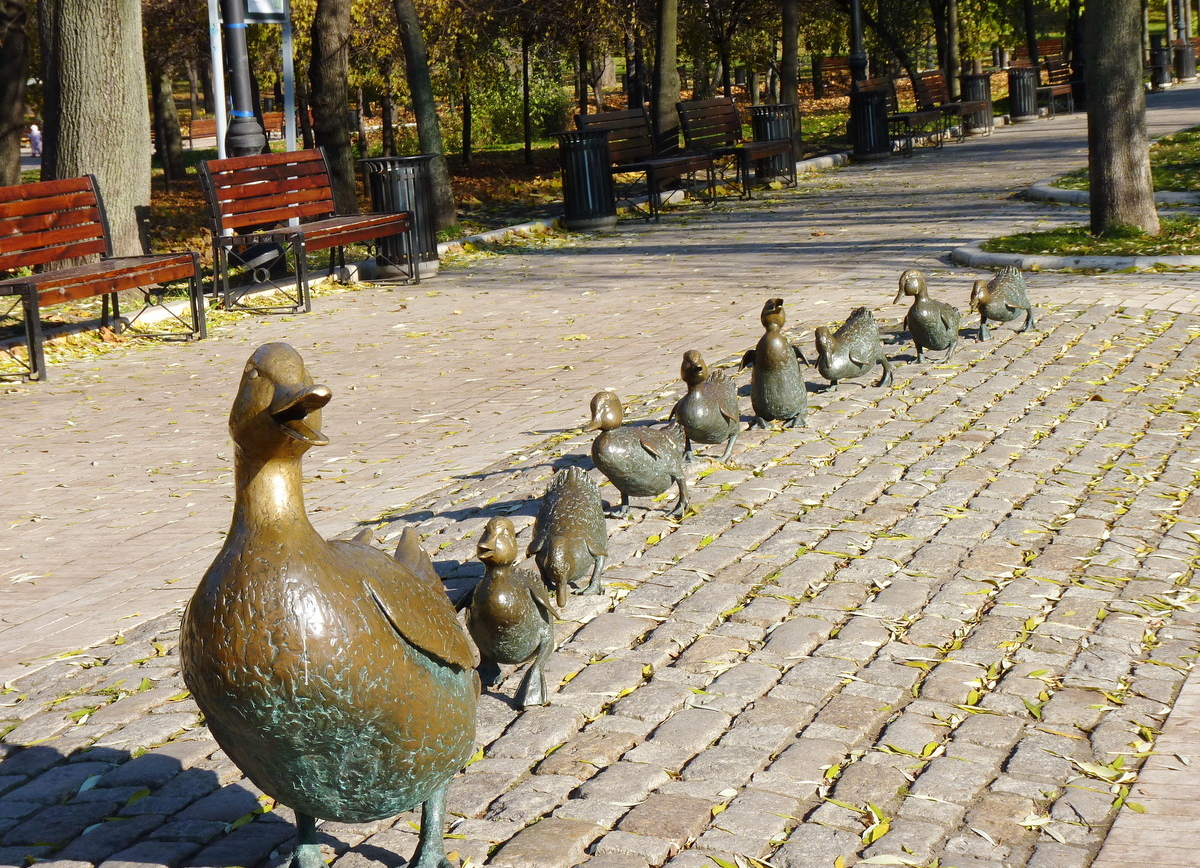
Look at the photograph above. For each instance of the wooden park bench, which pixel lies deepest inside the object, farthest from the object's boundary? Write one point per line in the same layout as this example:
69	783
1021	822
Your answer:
284	201
904	127
830	74
59	221
714	127
931	91
1051	48
1056	82
631	149
201	128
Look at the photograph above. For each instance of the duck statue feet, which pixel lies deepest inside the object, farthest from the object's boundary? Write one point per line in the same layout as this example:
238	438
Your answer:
431	846
308	851
533	689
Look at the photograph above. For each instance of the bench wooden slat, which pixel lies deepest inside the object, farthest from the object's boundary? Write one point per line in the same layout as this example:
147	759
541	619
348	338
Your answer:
40	190
16	231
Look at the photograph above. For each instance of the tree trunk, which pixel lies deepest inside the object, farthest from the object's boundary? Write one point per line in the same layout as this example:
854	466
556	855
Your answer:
725	55
193	89
388	104
97	118
362	122
526	100
429	132
206	84
1122	193
666	77
468	119
168	141
14	72
952	66
328	73
789	64
305	111
937	10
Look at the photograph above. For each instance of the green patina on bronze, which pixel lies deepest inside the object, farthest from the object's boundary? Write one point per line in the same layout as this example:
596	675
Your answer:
933	324
777	388
1002	299
337	678
569	536
511	616
640	462
709	410
853	350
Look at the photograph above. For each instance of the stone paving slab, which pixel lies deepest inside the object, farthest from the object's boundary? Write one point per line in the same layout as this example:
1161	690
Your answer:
946	620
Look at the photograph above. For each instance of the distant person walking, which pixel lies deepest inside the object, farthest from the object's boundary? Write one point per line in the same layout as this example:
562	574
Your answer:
35	140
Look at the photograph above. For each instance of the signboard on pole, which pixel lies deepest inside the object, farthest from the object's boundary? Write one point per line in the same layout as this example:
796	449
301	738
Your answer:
266	11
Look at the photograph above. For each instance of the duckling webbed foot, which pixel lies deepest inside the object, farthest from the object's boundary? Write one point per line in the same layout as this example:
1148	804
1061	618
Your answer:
1029	323
681	505
594	586
886	379
489	673
431	844
308	851
533	689
729	447
796	421
984	331
622	510
757	422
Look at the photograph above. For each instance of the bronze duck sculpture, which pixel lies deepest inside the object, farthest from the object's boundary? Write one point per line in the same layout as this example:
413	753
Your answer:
1002	299
569	535
852	350
709	410
510	615
337	678
933	324
641	462
776	385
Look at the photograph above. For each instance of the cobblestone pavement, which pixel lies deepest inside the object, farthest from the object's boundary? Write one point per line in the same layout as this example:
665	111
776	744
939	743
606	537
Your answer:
944	621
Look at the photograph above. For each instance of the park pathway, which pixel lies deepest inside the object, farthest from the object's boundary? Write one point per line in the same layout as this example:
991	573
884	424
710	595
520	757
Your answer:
959	601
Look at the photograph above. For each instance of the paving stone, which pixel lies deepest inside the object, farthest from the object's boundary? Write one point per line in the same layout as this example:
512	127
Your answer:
598	685
810	845
225	805
533	797
247	845
799	770
654	702
191	831
550	843
675	818
101	842
617	860
56	825
644	849
59	784
536	732
587	753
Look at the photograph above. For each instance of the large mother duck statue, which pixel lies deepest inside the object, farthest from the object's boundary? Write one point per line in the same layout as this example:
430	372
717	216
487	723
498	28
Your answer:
336	677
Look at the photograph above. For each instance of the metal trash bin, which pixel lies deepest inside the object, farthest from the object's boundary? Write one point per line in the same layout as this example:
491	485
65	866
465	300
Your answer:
404	184
976	86
1185	61
868	123
1022	94
772	122
589	194
1160	64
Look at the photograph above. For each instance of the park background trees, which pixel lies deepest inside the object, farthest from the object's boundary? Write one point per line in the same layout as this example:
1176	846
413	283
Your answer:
450	76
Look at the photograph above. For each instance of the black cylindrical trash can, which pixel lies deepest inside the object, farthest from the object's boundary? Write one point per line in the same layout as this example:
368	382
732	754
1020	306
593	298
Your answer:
589	196
978	86
1160	63
772	122
1185	62
1022	93
404	184
868	123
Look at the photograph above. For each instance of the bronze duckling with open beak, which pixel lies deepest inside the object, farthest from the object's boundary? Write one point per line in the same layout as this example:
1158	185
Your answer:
776	385
569	535
933	324
709	410
853	350
510	616
337	678
1002	299
640	462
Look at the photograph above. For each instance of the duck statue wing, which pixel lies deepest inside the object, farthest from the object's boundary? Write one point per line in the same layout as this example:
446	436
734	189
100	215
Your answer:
537	589
418	611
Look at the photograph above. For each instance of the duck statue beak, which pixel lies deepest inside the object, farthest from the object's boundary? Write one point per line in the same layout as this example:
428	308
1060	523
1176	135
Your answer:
291	410
899	295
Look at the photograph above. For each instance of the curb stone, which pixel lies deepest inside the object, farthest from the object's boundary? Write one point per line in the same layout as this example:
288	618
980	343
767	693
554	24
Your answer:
974	256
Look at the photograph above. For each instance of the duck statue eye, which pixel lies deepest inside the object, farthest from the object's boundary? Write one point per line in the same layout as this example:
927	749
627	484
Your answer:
251	372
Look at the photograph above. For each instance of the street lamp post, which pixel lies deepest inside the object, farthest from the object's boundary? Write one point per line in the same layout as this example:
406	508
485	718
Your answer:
244	136
868	110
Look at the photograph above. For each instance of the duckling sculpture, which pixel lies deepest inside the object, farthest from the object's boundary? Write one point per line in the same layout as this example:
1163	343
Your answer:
337	678
709	410
569	535
640	462
776	385
1001	299
852	350
933	324
510	615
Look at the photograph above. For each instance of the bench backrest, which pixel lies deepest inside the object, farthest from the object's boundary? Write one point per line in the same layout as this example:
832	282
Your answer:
930	89
50	221
1057	72
888	86
830	71
709	123
629	135
266	189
